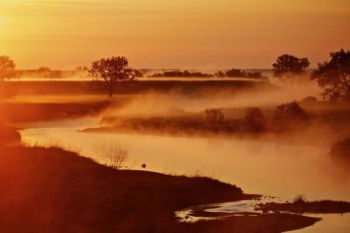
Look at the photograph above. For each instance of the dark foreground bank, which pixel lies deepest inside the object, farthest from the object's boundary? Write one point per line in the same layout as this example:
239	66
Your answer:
51	190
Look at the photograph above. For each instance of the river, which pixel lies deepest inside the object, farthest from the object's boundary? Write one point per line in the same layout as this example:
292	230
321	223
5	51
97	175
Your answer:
263	167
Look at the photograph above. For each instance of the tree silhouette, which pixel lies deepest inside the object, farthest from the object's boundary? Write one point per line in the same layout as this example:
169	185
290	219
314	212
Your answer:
111	71
235	73
333	76
7	67
289	64
290	115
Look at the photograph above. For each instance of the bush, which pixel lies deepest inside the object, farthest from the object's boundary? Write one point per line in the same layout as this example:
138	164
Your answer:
290	116
116	157
290	111
255	119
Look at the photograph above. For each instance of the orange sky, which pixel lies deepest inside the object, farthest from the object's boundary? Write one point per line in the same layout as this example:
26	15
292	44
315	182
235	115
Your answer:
171	34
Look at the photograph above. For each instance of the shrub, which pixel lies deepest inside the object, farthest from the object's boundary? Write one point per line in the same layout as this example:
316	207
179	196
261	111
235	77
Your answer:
116	158
255	119
290	111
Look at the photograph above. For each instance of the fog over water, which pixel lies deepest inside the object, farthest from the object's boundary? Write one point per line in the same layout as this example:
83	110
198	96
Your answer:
284	166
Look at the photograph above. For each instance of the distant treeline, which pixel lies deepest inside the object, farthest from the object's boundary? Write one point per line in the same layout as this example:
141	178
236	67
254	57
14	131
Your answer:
232	73
47	72
178	73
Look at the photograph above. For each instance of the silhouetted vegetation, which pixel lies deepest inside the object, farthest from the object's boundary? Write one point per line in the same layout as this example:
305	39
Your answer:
287	118
237	73
289	64
116	157
7	68
290	115
255	119
47	72
182	74
111	71
333	76
51	190
300	206
220	74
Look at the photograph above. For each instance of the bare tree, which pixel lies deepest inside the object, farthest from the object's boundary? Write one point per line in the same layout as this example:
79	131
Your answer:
116	157
111	71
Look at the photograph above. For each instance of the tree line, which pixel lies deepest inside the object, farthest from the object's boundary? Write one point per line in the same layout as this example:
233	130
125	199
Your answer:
333	76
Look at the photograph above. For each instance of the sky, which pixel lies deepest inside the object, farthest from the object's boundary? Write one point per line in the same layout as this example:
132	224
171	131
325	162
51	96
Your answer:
201	34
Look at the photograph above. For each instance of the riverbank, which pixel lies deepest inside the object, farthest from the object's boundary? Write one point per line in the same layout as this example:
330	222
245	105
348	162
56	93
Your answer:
52	190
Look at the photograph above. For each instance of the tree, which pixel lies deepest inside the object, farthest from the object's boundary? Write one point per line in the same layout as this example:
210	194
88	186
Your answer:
235	73
220	74
7	68
111	71
333	76
288	64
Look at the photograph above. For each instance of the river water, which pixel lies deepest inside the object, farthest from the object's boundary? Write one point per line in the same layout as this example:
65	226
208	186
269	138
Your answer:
263	167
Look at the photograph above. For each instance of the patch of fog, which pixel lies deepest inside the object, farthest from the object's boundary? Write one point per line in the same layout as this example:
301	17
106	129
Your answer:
176	102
